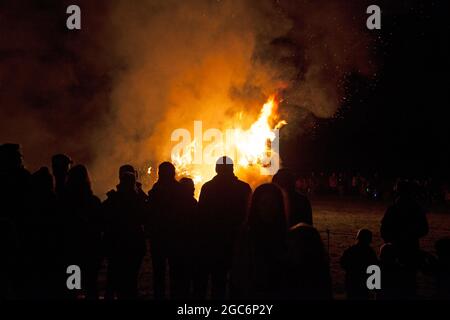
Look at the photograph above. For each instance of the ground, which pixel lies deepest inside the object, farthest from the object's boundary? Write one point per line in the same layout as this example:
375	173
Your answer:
343	218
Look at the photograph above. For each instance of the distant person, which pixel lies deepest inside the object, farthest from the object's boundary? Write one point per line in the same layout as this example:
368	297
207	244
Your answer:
222	209
403	224
355	261
299	206
333	183
443	268
81	227
14	204
165	208
259	266
308	266
125	211
341	184
61	165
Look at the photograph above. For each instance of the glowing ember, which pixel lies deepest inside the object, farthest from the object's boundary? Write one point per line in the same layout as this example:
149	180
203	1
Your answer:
251	149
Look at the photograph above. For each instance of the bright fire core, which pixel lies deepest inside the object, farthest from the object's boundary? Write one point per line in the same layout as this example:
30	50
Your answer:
254	150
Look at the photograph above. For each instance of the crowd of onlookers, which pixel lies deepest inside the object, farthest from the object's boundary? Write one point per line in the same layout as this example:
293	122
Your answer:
234	242
371	186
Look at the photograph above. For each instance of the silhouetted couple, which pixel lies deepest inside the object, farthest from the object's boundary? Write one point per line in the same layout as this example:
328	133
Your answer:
275	261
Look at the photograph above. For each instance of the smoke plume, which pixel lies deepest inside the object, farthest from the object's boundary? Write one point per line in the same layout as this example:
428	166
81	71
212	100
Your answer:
113	92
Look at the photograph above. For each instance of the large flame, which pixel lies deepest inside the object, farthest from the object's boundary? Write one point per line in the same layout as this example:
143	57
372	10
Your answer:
250	149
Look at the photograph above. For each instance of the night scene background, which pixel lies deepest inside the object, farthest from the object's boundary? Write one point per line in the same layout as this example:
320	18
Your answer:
358	102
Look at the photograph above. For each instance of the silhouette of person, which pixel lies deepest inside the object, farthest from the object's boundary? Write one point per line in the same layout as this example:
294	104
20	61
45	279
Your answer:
443	268
308	266
403	224
165	207
40	236
14	194
394	281
60	167
129	168
125	210
222	208
259	264
355	261
298	204
185	252
82	225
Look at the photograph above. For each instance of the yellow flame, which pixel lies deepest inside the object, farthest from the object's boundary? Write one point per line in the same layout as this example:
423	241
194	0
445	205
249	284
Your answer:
251	147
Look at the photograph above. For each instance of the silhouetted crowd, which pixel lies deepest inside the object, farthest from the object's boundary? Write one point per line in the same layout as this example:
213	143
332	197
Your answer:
232	243
370	186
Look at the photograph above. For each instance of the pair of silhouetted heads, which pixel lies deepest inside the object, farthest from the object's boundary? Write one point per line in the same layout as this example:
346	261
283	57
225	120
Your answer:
224	166
166	173
61	165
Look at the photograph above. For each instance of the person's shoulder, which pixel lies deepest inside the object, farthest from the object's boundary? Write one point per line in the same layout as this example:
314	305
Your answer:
207	184
244	185
95	200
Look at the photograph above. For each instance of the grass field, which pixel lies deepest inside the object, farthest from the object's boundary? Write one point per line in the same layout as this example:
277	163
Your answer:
343	218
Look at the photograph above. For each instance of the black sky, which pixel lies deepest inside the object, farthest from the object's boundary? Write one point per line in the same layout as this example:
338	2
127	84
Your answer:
393	123
397	124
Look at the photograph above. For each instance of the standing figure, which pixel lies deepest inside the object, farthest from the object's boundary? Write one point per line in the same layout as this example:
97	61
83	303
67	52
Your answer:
81	226
125	211
165	208
222	208
299	207
355	261
403	224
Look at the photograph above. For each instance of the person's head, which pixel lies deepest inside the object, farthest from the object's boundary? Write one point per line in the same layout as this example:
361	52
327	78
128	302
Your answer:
78	181
42	180
285	179
10	156
61	165
126	168
224	166
187	185
364	237
388	253
166	172
267	209
310	248
128	181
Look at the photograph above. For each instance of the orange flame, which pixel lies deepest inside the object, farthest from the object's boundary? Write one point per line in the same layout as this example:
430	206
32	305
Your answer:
248	148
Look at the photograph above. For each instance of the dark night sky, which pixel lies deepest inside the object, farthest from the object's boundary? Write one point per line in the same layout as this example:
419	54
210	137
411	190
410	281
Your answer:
397	124
394	123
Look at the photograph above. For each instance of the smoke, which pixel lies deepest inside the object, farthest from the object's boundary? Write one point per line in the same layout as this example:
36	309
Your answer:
114	92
